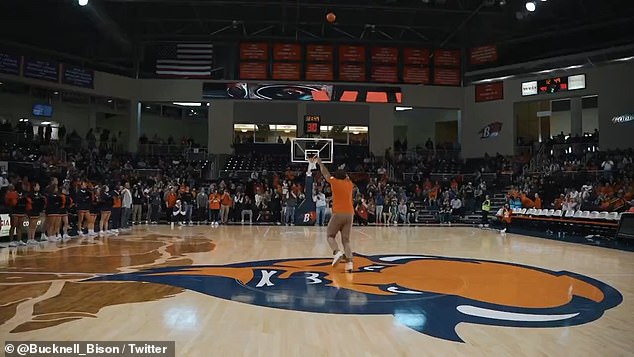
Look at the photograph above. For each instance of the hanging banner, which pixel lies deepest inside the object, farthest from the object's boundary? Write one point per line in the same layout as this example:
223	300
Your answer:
319	72
319	53
10	64
417	56
348	53
254	51
386	55
483	54
287	52
486	92
447	58
416	75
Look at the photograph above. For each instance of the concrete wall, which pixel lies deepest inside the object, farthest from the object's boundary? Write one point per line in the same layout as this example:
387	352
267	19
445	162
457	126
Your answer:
15	107
560	122
611	83
421	124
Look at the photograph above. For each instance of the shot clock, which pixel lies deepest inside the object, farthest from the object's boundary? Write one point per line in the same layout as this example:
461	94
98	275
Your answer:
312	124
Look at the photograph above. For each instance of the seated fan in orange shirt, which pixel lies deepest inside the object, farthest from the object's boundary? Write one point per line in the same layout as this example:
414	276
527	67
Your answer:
342	212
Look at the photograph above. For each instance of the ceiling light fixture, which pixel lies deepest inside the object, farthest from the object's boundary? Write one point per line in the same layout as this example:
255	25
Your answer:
530	6
402	109
82	2
187	104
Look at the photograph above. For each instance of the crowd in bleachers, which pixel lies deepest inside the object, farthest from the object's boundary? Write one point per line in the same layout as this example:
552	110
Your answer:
149	189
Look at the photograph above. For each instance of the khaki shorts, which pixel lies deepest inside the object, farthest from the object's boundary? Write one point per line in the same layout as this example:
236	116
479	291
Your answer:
340	222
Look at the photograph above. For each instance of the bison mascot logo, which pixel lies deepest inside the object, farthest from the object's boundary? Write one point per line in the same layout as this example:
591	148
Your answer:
429	294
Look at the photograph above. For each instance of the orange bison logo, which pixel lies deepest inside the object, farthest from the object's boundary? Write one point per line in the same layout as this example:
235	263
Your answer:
427	293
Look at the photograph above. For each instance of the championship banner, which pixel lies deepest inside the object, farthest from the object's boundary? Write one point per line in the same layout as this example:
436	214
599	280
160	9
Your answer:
486	92
490	131
483	54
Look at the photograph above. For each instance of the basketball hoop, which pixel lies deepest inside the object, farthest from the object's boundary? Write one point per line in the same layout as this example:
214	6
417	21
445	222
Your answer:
303	149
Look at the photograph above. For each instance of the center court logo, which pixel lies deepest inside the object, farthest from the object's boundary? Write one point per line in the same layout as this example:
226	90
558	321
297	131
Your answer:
429	294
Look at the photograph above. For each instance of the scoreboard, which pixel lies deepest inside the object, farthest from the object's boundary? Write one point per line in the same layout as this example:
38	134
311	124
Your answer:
312	124
554	85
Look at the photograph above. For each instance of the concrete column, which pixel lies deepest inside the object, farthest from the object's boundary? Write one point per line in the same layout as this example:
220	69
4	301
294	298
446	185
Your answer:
92	120
134	125
220	128
381	128
576	118
301	111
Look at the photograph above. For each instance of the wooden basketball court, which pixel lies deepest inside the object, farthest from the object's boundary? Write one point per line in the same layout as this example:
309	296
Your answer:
415	291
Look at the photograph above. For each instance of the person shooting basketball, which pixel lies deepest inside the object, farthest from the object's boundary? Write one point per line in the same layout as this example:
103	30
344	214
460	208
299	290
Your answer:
342	212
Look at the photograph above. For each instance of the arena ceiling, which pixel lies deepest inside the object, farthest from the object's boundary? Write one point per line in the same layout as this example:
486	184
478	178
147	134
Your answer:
111	34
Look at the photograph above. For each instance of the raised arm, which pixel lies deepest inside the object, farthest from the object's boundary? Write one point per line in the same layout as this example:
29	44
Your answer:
323	169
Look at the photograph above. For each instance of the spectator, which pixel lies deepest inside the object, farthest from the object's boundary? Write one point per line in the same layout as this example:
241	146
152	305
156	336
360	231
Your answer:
320	202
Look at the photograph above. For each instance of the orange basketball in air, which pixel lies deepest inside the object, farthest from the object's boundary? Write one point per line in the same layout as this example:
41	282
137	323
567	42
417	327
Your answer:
331	17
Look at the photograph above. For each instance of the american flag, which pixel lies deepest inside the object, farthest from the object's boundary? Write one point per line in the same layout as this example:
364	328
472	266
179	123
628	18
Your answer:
188	60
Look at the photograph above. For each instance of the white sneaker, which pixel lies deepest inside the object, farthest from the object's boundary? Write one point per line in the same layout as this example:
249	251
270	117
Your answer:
13	243
66	237
59	239
43	237
50	239
337	257
503	231
21	243
31	242
349	267
80	233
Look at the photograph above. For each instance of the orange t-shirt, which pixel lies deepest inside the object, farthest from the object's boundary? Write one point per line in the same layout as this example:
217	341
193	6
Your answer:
11	198
226	199
538	203
341	195
171	199
214	201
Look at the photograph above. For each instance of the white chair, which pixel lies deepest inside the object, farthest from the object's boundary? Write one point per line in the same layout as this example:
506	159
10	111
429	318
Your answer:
523	211
585	214
604	215
613	216
570	214
550	213
558	213
578	214
594	215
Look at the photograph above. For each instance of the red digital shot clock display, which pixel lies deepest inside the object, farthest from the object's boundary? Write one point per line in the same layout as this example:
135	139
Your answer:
312	124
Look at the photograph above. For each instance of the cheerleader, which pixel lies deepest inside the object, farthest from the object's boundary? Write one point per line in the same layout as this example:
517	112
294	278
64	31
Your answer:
178	213
93	210
105	208
35	205
53	215
16	202
83	201
67	203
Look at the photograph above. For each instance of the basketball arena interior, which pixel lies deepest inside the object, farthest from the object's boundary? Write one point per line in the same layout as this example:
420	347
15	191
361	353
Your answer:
316	178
